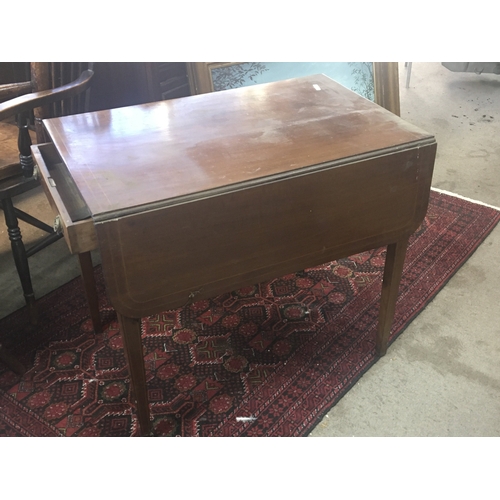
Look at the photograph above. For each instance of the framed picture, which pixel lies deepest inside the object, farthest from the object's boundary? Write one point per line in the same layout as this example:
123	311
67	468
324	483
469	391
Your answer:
377	81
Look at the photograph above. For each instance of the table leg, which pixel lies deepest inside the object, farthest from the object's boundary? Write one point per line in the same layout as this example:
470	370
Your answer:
132	343
88	277
392	276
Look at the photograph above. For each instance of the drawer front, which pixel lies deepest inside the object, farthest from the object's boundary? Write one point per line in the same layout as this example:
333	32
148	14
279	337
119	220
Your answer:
76	224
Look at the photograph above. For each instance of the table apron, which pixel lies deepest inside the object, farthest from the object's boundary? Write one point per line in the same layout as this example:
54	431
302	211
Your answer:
160	259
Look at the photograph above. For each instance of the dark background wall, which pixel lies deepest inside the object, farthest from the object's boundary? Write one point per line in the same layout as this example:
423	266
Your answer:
117	84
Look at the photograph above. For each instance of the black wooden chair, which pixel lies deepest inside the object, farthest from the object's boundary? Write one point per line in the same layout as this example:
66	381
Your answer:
18	177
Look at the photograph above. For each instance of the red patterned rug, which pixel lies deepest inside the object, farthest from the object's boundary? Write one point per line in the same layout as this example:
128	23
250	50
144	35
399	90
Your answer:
265	360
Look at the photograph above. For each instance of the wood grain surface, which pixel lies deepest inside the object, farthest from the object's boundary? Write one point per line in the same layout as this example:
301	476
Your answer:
141	155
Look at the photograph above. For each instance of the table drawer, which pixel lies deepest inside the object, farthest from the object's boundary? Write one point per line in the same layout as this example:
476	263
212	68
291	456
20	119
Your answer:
74	217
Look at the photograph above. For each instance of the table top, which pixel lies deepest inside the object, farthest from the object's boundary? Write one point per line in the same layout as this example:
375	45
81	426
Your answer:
139	156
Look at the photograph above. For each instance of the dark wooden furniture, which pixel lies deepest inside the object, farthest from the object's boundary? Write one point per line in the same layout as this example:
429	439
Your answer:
13	72
118	84
198	196
16	174
115	84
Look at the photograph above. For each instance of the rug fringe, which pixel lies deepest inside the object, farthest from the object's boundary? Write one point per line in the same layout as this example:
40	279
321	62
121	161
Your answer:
477	202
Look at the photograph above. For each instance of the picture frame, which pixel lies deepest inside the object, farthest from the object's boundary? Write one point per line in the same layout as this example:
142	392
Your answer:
377	81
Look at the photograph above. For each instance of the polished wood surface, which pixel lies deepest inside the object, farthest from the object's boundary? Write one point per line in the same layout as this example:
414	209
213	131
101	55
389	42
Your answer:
11	90
145	154
206	194
42	98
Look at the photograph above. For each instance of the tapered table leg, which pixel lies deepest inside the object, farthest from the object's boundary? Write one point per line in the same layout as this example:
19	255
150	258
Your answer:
131	334
394	261
88	277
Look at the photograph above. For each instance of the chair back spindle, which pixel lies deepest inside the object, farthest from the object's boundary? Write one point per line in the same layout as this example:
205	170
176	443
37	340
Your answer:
52	75
24	144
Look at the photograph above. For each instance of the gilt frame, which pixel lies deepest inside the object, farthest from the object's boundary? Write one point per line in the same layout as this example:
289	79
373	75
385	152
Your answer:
385	76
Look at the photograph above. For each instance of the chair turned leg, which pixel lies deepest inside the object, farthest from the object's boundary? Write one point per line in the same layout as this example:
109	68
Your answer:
392	276
20	257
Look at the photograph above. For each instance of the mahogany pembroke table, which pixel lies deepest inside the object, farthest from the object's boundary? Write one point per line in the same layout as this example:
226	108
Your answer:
189	198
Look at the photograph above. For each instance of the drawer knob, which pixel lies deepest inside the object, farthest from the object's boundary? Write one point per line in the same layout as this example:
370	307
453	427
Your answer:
36	173
57	225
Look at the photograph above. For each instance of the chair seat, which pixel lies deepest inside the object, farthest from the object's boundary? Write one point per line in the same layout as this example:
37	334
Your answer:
8	145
